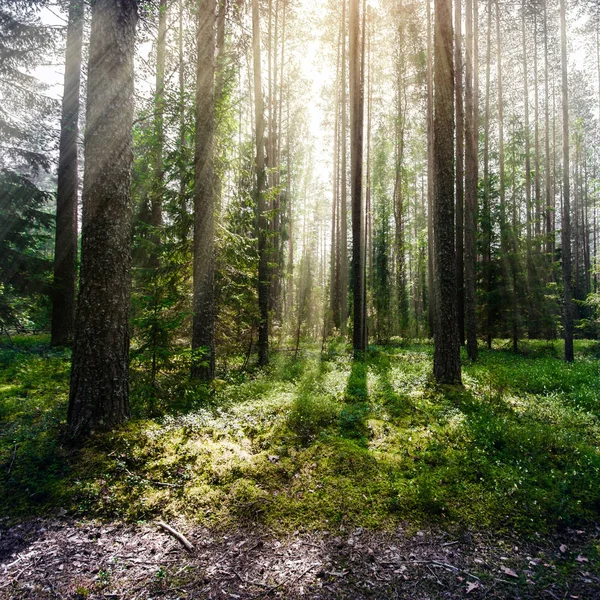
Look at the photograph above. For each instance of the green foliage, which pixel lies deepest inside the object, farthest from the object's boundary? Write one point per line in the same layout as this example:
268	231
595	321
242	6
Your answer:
25	259
314	443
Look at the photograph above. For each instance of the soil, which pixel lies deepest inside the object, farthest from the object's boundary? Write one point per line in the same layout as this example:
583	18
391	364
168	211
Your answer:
68	559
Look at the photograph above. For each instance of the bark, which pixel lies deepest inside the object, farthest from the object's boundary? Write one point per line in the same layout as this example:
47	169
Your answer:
343	292
549	208
487	213
446	361
262	222
159	127
566	216
99	397
430	175
203	342
460	128
356	158
65	254
471	156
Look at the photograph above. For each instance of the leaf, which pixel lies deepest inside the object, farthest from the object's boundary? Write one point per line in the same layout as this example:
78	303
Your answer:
472	585
509	572
582	559
563	548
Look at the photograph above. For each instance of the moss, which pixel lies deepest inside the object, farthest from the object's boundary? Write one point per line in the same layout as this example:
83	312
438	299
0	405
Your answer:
318	443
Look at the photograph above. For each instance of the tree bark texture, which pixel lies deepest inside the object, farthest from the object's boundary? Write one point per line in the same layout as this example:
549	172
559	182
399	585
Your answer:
471	157
99	397
446	362
262	222
566	216
203	336
460	153
356	150
65	254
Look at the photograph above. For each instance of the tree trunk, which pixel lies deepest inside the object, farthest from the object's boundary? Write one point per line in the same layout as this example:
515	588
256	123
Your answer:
203	342
99	397
487	212
566	216
262	222
356	151
343	292
471	157
430	176
460	128
65	255
446	360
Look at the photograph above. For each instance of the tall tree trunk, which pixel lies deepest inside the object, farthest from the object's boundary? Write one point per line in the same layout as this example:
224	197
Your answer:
65	254
203	335
446	359
566	216
158	181
356	158
460	128
99	397
549	208
536	118
262	222
334	301
487	212
344	192
430	176
471	157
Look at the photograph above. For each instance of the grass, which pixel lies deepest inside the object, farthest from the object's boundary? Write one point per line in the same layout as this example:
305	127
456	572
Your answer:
315	443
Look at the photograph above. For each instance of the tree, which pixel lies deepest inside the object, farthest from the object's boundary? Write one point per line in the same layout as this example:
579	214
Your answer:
65	253
99	397
446	361
566	215
203	343
356	150
471	157
262	221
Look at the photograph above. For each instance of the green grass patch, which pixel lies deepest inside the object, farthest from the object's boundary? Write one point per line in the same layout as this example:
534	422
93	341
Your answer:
318	442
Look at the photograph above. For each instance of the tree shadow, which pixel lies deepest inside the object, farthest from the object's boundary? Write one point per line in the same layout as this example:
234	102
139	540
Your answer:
353	417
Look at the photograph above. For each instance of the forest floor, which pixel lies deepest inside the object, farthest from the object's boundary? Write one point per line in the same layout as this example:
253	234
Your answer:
320	477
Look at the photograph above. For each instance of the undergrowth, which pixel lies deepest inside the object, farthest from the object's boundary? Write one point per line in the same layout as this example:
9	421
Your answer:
319	442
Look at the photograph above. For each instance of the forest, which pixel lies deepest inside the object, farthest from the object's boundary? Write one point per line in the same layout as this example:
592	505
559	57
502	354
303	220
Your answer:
299	299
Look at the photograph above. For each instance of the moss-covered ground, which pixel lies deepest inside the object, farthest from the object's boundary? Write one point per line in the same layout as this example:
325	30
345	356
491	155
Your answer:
319	441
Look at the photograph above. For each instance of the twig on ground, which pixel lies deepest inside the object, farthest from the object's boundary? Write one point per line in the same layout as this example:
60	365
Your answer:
12	462
178	536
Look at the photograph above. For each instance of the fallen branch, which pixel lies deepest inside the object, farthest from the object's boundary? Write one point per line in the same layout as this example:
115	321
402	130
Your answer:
178	536
12	462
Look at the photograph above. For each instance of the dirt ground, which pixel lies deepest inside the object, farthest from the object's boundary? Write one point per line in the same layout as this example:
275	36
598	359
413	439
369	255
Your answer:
67	559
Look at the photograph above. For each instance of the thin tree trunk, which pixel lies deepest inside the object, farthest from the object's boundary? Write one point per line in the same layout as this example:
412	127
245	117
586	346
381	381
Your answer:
446	359
566	217
460	127
65	254
356	150
344	194
430	176
99	397
262	222
549	208
471	157
487	213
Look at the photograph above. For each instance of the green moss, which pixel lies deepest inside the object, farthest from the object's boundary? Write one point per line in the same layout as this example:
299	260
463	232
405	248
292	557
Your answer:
315	443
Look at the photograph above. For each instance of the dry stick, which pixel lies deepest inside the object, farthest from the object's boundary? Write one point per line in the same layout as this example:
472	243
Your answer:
178	536
12	462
